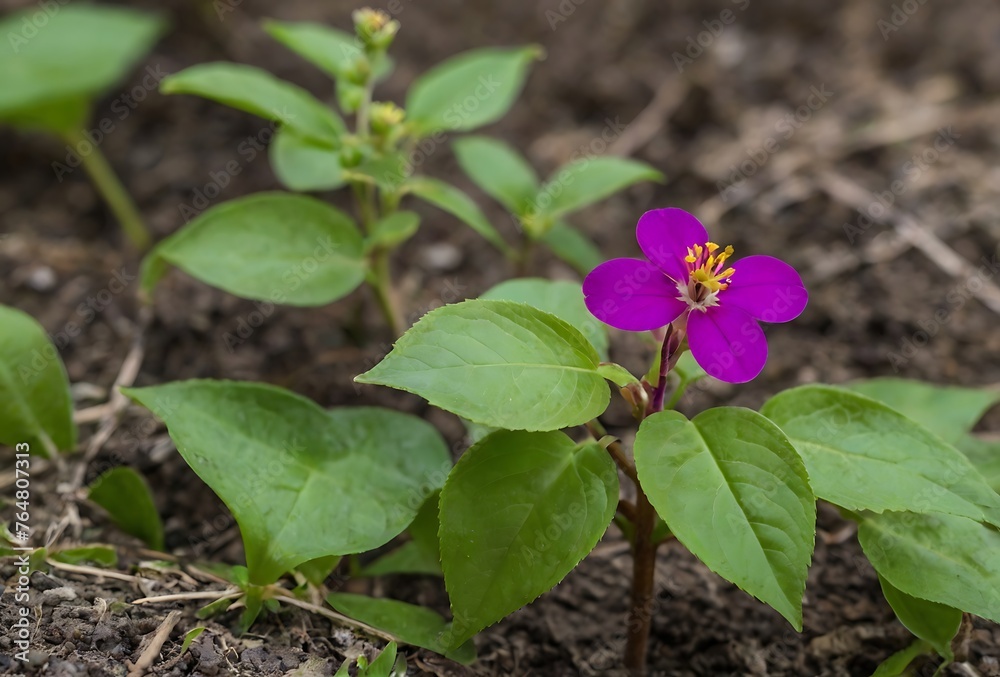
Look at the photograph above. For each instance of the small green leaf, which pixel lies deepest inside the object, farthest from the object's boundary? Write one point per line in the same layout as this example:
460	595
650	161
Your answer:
276	247
590	180
498	170
518	512
731	488
35	403
409	623
190	636
214	608
303	165
49	58
125	495
688	370
896	664
310	483
63	116
422	554
98	555
333	51
561	298
469	90
393	230
946	411
499	363
316	571
862	455
942	558
573	247
618	375
383	664
936	623
458	204
258	92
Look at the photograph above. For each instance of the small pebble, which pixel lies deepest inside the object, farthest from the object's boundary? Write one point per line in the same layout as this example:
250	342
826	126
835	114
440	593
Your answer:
56	595
441	256
42	279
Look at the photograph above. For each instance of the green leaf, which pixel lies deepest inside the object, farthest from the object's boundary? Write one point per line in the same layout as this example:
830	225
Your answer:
618	375
946	411
97	555
731	488
469	90
393	230
383	664
35	403
458	204
190	636
942	558
422	554
60	116
936	623
985	456
258	92
498	363
411	624
573	247
125	495
499	171
518	512
561	298
275	247
896	664
590	180
862	455
688	370
316	571
308	482
332	50
69	56
302	165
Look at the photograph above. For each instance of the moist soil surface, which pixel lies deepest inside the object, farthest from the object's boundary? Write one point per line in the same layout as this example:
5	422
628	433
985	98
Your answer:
773	121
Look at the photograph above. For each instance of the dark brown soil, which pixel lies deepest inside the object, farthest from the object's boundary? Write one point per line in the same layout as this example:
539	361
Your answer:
880	97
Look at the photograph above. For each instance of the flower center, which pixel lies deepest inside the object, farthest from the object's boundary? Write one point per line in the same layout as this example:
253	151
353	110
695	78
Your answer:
707	275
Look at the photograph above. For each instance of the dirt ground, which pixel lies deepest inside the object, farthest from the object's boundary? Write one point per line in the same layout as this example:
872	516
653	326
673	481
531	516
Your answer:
780	124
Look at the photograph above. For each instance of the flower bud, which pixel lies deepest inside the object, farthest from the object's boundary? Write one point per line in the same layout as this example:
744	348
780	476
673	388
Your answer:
375	28
386	117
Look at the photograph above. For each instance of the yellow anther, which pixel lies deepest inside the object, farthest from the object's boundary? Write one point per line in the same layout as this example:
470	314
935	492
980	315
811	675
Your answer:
711	247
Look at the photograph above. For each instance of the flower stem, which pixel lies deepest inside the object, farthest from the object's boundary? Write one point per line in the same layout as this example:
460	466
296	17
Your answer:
640	616
113	192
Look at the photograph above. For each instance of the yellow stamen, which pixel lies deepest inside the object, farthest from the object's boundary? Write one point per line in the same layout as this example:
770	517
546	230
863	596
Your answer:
709	272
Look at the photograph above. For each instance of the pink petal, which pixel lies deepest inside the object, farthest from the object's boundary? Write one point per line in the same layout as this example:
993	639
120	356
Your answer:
727	343
767	288
665	235
632	295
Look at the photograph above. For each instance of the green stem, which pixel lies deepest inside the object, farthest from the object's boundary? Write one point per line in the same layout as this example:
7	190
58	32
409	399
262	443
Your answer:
526	255
382	284
113	192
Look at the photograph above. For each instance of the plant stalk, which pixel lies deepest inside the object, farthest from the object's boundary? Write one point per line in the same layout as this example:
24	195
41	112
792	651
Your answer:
640	616
113	192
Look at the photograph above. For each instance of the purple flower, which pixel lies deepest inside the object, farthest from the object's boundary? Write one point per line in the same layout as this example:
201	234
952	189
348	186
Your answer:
688	281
